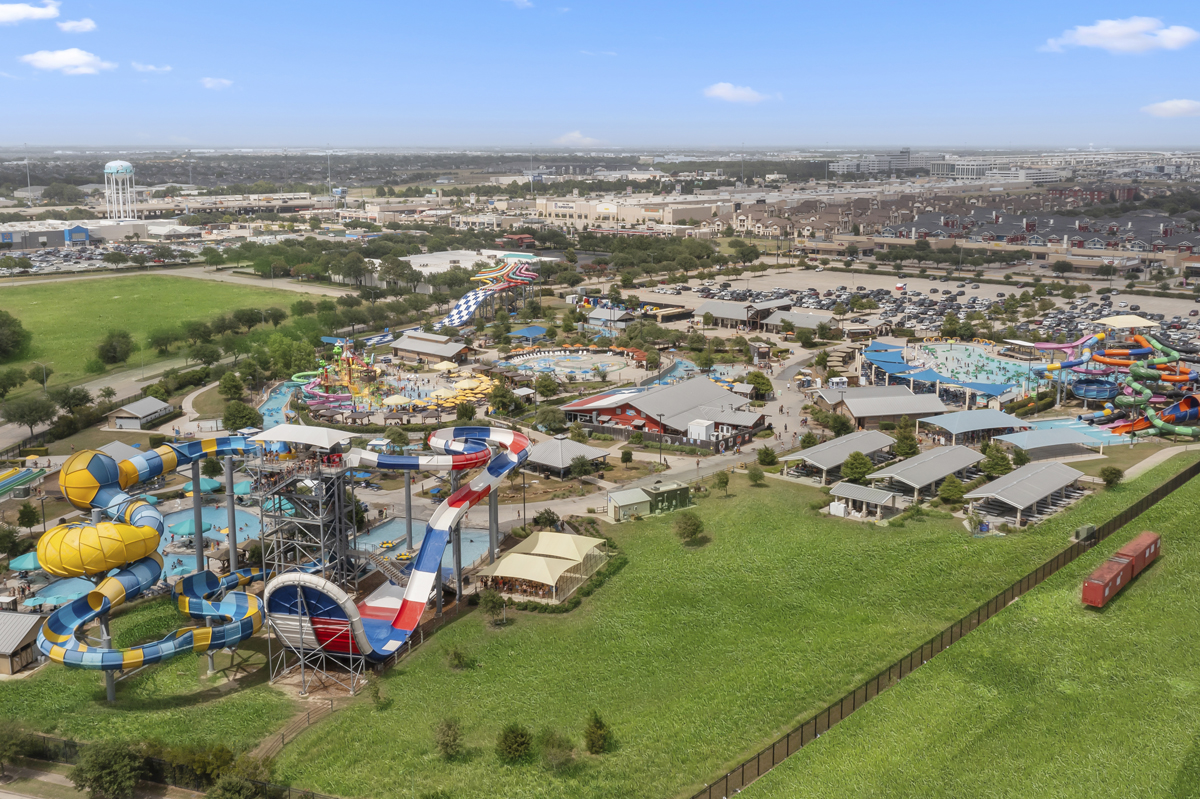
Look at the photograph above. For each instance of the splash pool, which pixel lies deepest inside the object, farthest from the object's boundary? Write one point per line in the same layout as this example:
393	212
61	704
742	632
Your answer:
474	540
1101	435
972	363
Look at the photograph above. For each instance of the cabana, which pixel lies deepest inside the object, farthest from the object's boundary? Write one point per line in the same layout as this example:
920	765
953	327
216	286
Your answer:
514	573
832	454
928	469
973	426
871	501
1033	490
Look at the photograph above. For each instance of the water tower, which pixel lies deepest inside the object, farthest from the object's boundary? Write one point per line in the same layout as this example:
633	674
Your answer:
119	195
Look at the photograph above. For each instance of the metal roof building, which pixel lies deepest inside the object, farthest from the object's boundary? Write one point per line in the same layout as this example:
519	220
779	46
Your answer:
555	455
1028	487
832	454
18	640
870	499
929	467
1057	437
870	405
977	421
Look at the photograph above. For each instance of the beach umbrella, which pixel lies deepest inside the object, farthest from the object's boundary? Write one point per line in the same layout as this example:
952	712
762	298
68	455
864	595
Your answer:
24	563
188	527
465	384
396	399
444	366
207	486
242	488
441	393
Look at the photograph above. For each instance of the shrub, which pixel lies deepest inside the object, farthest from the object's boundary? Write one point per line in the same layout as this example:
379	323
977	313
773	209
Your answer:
157	440
887	425
108	771
546	518
767	457
1111	475
558	753
755	474
596	735
856	467
636	438
688	525
447	737
460	659
951	490
626	457
514	743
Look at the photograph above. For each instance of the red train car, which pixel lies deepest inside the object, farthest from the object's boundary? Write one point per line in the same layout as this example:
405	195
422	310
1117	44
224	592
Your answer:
1116	572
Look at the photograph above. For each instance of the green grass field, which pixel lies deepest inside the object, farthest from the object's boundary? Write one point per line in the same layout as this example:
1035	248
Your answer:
174	702
69	319
1048	698
695	656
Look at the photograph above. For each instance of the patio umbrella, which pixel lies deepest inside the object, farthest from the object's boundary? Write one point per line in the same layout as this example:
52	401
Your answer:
188	527
396	399
419	402
207	486
441	393
465	384
153	500
242	488
444	366
24	563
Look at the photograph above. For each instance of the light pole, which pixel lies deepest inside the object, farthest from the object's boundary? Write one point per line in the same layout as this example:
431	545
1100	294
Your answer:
43	501
39	363
661	435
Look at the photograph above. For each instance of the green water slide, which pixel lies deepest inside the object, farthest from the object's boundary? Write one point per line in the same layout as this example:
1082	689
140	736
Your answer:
1188	409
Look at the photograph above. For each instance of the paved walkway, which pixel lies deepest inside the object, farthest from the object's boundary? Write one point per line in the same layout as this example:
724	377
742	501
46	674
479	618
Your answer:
1157	458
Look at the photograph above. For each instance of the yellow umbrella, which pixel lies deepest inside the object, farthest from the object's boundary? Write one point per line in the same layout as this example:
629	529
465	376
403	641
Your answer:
396	399
444	366
419	402
465	384
442	392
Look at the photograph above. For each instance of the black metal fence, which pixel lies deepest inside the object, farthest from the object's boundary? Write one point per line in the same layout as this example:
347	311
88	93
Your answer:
751	769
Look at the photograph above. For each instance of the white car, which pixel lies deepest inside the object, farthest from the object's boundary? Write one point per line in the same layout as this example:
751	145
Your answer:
1122	304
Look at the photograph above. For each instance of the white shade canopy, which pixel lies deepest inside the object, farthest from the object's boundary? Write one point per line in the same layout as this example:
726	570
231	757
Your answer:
518	566
323	437
558	545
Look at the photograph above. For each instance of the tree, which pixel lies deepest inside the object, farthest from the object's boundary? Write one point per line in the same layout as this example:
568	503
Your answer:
1062	268
162	338
581	467
550	418
158	392
29	411
28	515
906	444
856	467
14	338
71	399
688	525
234	786
577	433
626	457
1020	457
546	517
107	393
212	256
996	464
275	316
709	319
464	411
238	415
303	308
10	378
721	481
447	737
1112	475
952	491
762	384
231	386
705	360
597	737
212	467
138	260
767	457
755	474
207	354
108	771
545	385
115	258
809	439
116	347
12	744
839	425
491	603
514	743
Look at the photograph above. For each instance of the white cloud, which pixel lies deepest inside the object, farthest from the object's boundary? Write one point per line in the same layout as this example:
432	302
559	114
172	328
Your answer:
12	13
521	3
72	61
1174	108
575	139
77	25
734	94
1133	35
215	83
148	67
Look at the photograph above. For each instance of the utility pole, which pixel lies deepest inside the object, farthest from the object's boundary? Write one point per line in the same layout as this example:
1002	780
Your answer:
28	182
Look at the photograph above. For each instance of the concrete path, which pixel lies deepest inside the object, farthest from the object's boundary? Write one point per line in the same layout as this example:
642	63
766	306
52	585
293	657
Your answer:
1157	458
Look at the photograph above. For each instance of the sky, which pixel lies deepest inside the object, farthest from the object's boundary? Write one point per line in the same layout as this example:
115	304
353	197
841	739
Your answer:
600	75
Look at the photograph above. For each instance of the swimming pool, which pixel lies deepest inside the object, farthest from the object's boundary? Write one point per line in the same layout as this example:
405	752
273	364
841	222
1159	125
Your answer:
684	369
1101	435
972	364
273	409
219	519
474	540
580	364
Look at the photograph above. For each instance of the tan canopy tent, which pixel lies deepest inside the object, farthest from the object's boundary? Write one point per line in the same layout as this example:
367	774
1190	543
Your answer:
558	545
535	569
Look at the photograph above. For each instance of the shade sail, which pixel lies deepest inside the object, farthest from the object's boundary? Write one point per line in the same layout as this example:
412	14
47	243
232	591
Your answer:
396	399
1127	320
322	437
444	366
188	527
242	488
536	569
558	545
207	485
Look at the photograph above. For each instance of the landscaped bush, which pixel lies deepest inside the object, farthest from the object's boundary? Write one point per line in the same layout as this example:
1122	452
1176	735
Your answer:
514	744
447	737
767	457
596	735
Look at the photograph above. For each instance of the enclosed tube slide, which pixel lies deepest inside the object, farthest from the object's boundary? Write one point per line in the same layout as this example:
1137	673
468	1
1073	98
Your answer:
129	544
311	610
1169	420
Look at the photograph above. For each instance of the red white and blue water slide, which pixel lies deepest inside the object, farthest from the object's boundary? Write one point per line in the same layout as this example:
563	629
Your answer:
313	612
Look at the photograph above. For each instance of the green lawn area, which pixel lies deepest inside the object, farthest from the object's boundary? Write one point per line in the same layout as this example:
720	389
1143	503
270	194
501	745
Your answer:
209	404
696	656
1123	456
174	702
94	438
1048	698
69	319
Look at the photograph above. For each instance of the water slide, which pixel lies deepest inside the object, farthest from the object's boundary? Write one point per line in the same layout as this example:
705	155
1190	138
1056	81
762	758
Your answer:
1086	355
380	624
1169	420
15	478
129	544
509	272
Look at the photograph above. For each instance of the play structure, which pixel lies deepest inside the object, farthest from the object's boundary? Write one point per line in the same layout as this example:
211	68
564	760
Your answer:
310	612
1145	368
511	271
121	556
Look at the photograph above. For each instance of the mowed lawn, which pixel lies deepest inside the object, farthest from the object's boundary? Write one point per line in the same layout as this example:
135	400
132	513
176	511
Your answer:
1048	698
695	656
69	319
173	702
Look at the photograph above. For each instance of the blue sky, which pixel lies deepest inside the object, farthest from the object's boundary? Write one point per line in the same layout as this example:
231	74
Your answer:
600	75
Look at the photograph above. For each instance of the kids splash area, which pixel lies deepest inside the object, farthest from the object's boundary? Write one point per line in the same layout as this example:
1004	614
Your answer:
332	600
1143	386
